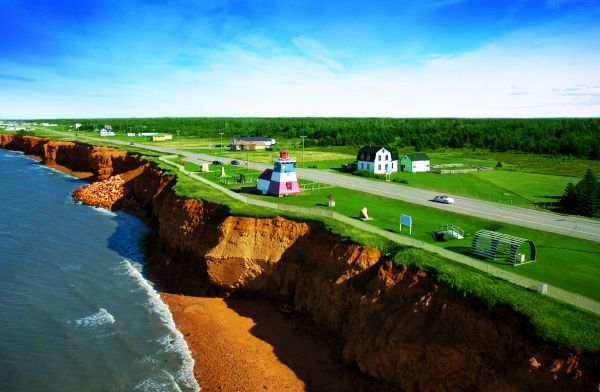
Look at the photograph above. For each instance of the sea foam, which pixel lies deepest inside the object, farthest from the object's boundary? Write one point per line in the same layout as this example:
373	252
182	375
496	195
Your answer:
173	341
100	318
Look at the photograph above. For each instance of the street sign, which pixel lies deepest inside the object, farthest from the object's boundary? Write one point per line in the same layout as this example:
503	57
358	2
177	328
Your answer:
407	221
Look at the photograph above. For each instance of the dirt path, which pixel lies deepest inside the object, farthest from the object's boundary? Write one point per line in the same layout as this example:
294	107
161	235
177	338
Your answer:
248	345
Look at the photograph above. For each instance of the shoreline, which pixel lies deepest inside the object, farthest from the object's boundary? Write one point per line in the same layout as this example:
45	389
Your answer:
229	356
248	345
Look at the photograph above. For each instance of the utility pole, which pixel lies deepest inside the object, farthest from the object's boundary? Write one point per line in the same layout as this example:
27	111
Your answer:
221	133
303	137
178	140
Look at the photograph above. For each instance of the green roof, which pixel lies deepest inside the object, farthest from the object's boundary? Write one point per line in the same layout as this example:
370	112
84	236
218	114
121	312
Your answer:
370	151
417	156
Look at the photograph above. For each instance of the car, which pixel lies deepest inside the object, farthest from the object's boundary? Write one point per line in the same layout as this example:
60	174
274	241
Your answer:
217	163
443	199
349	167
236	162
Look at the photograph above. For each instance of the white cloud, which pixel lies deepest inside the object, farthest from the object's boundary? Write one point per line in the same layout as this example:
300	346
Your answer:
519	76
314	49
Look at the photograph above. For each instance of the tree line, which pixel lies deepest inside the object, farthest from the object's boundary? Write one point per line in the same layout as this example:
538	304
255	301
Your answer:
564	136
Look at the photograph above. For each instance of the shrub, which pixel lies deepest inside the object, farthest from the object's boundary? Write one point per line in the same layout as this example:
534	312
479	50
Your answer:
364	173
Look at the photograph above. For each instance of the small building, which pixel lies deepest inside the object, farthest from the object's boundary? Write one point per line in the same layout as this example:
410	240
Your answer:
147	133
130	134
377	159
251	143
414	162
160	137
106	132
281	180
492	245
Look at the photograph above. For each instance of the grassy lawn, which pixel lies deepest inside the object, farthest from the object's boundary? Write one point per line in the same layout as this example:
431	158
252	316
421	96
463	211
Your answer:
536	188
516	161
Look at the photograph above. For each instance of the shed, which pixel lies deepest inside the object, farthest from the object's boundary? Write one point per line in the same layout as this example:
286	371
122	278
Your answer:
493	245
414	162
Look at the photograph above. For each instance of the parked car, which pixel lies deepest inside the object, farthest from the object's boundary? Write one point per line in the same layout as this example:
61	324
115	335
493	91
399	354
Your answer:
349	167
217	163
443	199
236	162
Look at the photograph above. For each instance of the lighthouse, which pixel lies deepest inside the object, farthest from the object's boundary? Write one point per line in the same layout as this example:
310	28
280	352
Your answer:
281	180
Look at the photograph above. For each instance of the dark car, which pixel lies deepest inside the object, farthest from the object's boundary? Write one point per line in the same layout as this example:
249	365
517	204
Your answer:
349	167
236	162
217	163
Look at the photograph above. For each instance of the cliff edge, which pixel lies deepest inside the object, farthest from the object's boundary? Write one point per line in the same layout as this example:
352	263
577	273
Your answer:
394	323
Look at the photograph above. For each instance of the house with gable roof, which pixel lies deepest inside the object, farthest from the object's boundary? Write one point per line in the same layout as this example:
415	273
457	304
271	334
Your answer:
414	162
377	159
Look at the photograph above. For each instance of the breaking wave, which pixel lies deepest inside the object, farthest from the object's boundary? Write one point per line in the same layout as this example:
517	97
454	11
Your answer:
171	342
101	318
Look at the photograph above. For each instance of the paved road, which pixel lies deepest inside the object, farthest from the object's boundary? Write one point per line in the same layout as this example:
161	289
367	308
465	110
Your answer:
540	220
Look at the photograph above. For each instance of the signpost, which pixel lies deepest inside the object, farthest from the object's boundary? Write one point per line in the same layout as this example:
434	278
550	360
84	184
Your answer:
407	221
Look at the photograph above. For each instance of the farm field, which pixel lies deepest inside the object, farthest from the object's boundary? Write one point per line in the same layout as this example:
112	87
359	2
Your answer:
565	262
536	188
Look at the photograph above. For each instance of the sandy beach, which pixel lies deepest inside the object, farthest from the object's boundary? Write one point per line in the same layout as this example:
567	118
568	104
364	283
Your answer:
249	345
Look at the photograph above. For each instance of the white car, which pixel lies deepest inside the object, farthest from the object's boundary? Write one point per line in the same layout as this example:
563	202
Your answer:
443	199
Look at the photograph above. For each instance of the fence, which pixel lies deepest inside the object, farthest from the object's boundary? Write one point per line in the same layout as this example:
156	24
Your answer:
551	291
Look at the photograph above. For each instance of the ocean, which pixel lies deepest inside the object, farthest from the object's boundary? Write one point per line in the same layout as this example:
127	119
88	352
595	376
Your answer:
76	313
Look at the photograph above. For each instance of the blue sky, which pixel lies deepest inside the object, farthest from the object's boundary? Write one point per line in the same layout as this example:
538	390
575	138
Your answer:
413	58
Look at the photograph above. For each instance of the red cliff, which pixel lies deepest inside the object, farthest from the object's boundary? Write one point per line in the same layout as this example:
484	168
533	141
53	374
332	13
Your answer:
394	323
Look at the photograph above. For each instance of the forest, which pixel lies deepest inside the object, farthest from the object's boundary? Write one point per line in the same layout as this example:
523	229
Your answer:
561	136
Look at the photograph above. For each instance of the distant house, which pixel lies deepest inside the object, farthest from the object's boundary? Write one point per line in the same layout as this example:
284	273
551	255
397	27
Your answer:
251	143
377	159
414	162
161	137
106	132
147	133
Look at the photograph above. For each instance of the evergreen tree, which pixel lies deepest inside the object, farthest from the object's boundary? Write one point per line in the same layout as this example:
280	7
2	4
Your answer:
569	201
588	190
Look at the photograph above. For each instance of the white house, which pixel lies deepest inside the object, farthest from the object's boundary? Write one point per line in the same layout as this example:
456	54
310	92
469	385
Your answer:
414	162
377	159
106	132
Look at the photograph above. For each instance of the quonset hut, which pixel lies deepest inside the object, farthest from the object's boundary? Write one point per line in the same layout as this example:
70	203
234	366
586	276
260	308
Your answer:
281	180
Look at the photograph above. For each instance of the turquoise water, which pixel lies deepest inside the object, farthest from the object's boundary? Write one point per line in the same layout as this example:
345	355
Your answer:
76	314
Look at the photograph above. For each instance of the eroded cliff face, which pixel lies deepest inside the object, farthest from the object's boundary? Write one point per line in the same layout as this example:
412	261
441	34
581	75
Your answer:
394	323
